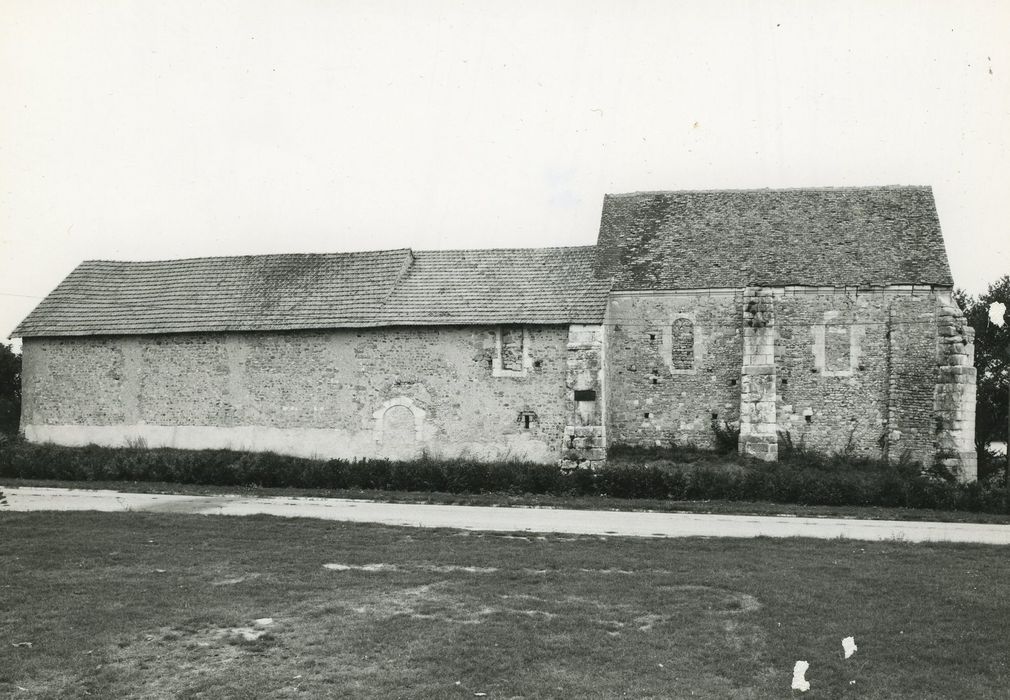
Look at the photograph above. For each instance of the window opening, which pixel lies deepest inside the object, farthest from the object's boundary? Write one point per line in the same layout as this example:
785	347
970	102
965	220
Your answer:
585	395
510	352
837	348
512	349
682	344
526	419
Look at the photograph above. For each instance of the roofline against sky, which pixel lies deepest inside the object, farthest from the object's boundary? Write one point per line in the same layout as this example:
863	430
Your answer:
826	188
413	251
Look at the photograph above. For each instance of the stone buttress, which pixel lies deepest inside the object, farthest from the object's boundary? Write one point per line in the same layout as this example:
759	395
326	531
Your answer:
585	437
758	426
954	398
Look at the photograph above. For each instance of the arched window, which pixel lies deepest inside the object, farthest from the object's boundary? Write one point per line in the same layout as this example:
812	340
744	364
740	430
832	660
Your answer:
682	344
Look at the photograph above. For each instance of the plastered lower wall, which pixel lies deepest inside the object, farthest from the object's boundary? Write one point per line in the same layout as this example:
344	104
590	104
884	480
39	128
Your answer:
341	393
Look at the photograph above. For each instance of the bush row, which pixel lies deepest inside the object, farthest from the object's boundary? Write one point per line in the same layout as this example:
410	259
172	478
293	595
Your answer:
782	482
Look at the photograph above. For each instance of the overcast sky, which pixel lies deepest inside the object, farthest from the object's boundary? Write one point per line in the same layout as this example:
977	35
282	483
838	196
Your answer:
143	130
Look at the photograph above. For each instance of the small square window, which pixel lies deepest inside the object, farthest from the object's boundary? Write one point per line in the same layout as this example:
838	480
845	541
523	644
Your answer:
527	419
585	395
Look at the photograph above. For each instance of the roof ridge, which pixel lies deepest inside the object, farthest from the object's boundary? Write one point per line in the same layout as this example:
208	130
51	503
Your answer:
411	251
255	255
825	188
502	250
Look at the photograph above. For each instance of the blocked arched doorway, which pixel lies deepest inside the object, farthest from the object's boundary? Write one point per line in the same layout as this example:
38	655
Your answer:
398	433
398	427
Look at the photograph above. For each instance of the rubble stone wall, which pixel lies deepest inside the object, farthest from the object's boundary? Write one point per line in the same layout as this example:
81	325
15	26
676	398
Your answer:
338	393
882	372
654	398
874	372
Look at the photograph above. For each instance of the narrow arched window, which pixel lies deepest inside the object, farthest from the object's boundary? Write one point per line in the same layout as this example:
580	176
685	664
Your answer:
682	344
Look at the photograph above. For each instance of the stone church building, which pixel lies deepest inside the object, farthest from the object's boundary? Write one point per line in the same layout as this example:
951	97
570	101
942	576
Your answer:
821	315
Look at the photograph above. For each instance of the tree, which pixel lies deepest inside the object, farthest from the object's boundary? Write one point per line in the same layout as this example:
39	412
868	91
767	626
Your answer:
992	360
10	390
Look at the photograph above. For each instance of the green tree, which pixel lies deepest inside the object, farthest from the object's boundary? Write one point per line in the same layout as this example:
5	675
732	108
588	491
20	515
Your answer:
992	360
10	390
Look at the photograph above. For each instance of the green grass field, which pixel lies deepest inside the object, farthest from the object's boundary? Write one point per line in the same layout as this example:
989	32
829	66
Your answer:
151	605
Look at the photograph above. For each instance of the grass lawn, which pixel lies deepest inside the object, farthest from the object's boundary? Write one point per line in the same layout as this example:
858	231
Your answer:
535	500
155	605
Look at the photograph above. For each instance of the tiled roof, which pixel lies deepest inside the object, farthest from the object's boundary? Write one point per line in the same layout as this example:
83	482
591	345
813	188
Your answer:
660	240
734	238
531	285
287	292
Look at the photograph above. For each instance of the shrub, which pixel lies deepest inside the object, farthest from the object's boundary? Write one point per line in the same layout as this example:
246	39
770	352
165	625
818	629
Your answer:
992	466
727	436
10	390
801	476
631	482
675	452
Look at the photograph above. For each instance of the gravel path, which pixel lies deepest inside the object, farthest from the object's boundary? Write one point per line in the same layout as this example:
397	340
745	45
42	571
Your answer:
582	522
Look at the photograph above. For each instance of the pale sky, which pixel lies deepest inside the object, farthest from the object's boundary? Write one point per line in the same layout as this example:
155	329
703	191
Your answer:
144	130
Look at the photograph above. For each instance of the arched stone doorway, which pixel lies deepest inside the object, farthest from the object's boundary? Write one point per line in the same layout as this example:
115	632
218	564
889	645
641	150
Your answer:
398	426
398	434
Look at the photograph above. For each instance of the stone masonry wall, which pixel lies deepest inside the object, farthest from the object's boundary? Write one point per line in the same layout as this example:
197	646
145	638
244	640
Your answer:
343	393
836	363
875	372
654	398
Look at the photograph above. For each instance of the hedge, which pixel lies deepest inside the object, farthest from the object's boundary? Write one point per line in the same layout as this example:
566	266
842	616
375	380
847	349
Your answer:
814	482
